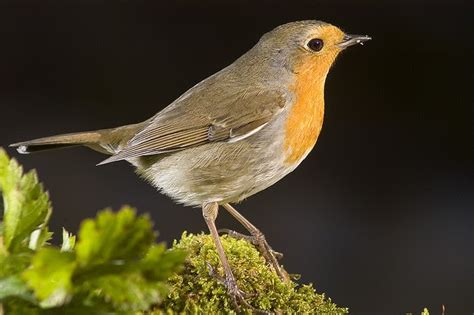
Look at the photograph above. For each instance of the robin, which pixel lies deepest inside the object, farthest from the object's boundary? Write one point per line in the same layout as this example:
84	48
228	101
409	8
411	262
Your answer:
235	133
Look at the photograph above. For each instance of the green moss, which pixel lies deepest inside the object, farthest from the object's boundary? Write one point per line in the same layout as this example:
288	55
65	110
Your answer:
195	291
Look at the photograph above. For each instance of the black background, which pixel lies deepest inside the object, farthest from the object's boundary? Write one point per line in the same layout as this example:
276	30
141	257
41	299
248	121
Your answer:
380	215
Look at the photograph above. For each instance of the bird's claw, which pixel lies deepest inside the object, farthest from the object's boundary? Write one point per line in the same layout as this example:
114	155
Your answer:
268	253
238	236
251	239
237	296
213	273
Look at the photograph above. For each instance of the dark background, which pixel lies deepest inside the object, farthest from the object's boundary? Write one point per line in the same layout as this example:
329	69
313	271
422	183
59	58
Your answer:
380	215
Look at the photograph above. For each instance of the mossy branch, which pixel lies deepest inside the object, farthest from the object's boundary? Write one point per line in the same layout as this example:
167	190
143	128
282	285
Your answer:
196	291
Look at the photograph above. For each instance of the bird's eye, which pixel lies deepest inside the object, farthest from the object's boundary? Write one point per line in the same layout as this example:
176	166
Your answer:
315	44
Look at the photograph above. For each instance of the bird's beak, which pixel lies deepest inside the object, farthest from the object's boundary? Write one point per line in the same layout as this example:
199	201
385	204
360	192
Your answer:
349	40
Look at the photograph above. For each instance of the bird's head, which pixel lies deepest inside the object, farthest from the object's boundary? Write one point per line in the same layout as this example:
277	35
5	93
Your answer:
306	45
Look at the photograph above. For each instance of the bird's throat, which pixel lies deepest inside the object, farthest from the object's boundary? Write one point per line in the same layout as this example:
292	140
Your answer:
305	117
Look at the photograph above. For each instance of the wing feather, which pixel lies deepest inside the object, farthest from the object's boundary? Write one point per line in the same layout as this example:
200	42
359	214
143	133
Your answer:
182	126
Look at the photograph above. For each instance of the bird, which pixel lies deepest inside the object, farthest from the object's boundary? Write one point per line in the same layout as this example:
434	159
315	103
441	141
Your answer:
232	135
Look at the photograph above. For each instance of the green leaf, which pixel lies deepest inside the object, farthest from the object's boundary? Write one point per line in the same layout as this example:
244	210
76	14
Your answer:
127	292
160	263
113	237
26	205
115	267
14	286
119	266
18	306
40	238
13	264
50	276
69	241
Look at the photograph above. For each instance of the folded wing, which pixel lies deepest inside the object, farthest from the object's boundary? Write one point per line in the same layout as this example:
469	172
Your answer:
181	126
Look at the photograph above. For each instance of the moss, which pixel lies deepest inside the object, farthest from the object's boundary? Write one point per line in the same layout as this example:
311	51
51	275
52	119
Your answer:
195	291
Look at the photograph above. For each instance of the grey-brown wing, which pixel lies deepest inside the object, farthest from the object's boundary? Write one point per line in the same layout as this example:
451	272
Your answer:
232	119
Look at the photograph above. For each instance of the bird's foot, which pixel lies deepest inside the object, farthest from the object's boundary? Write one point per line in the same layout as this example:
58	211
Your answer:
268	253
251	239
237	296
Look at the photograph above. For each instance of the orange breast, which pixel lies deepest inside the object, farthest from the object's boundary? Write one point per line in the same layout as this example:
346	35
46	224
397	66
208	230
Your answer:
305	118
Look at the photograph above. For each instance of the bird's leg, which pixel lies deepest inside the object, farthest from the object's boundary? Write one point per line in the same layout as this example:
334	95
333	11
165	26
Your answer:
259	240
209	212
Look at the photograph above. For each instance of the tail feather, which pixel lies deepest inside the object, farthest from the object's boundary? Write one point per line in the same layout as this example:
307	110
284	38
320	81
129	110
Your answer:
60	141
107	141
